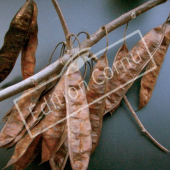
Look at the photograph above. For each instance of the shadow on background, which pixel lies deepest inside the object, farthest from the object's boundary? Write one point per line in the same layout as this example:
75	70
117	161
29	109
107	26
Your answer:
123	5
12	82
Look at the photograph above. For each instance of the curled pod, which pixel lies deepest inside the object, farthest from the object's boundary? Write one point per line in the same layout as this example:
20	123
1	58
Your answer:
149	79
95	93
15	39
78	119
28	59
127	69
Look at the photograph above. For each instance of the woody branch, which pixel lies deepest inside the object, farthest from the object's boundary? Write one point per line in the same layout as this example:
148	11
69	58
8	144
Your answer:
57	66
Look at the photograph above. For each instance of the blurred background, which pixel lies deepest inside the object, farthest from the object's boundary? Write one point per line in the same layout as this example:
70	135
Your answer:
122	145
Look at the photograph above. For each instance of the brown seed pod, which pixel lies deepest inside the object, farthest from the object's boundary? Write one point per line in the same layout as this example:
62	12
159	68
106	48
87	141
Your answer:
15	124
15	39
23	148
26	104
122	52
59	159
96	89
127	69
37	130
149	80
29	155
50	118
34	117
28	59
56	112
45	155
78	120
7	115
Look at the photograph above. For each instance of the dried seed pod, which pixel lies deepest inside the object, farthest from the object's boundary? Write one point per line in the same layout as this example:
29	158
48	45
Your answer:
127	69
15	124
26	104
50	118
122	52
78	120
149	80
34	117
59	159
28	59
15	39
23	148
29	155
45	154
95	92
56	113
7	115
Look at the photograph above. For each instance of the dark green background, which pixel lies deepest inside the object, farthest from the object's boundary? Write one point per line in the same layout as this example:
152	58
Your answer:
121	146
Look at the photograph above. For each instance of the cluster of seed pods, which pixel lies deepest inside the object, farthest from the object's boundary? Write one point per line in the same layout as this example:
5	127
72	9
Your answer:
64	118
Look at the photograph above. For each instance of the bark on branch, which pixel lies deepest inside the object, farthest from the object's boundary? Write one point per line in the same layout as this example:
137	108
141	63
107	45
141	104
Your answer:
123	19
57	66
143	128
63	23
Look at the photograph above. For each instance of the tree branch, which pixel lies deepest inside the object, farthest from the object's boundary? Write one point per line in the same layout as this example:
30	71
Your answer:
63	23
54	68
58	65
142	127
123	19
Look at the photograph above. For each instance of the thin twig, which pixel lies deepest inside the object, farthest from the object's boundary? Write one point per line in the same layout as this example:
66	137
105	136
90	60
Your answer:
55	50
57	66
63	23
82	32
142	127
85	70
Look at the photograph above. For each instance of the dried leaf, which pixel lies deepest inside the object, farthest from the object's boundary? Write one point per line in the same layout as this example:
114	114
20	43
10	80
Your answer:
127	69
95	92
28	59
15	38
149	80
78	120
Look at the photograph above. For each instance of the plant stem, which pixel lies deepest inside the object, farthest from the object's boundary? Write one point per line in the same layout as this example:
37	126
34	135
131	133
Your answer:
123	19
142	127
63	23
54	68
57	66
